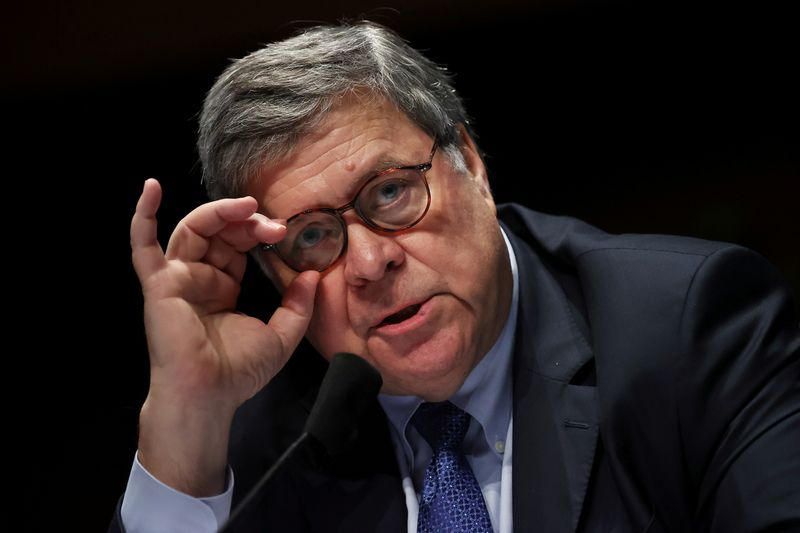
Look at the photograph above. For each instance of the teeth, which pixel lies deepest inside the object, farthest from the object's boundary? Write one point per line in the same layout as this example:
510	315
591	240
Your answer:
403	314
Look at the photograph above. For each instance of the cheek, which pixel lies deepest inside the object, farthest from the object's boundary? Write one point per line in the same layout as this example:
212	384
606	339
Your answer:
461	237
462	204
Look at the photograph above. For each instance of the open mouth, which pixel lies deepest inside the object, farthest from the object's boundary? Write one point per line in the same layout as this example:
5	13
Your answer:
401	315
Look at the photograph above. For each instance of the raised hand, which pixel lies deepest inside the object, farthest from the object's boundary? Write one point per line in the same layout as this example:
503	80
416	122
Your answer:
206	359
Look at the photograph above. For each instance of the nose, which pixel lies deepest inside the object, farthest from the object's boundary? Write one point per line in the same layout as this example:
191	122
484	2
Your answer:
370	255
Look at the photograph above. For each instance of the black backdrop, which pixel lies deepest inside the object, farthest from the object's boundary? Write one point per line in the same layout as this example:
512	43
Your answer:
675	118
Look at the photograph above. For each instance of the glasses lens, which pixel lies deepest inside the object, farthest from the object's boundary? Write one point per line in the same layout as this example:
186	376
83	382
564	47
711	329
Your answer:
313	241
394	200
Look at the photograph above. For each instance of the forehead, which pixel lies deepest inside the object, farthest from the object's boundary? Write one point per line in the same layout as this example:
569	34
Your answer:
325	168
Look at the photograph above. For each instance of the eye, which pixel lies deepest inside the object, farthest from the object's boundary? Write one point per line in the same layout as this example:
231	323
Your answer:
311	236
389	191
386	193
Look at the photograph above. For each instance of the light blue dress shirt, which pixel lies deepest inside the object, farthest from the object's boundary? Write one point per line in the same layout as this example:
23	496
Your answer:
150	506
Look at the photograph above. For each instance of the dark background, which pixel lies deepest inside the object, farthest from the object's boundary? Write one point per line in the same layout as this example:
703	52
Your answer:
670	117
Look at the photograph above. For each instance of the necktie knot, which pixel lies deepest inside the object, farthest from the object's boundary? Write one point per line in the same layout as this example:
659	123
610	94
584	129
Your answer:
442	425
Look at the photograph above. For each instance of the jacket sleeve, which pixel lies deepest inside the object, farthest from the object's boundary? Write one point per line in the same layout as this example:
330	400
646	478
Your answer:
739	400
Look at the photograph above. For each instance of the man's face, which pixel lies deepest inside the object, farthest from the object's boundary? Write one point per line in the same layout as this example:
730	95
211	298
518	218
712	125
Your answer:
451	268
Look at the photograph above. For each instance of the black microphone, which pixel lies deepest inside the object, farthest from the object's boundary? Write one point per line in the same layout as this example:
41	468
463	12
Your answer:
349	385
347	389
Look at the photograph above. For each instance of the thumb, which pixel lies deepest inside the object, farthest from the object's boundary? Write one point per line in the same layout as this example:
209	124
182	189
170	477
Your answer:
290	320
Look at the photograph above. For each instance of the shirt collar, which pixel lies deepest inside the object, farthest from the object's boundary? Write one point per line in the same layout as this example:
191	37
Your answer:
486	393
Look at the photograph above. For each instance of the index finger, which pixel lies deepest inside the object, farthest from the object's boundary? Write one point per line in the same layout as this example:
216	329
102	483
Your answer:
192	237
146	253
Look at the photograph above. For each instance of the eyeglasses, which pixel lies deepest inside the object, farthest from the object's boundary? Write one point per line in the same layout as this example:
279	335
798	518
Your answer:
393	200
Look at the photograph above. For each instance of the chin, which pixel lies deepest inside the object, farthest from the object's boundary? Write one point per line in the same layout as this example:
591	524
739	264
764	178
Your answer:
422	371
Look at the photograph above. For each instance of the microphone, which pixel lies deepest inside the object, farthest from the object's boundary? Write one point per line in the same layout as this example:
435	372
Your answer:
349	385
347	388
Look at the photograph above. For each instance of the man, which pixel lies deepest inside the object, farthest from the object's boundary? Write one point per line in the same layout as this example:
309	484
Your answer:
634	382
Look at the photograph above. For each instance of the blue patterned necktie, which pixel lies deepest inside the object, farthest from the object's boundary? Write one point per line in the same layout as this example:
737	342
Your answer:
451	499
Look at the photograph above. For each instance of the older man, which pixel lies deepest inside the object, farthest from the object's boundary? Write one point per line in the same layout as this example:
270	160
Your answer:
587	381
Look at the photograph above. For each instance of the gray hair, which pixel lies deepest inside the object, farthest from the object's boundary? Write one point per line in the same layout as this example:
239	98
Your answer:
264	103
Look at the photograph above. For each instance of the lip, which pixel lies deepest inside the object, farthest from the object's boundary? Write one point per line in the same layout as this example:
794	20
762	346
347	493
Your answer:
407	325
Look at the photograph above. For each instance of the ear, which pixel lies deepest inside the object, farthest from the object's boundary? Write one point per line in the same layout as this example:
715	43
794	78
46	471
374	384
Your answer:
474	162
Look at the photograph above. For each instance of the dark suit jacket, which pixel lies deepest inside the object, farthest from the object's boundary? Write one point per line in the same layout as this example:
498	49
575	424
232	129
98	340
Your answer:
656	388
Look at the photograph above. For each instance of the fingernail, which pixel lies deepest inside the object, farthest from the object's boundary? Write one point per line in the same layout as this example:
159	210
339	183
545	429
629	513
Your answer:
271	224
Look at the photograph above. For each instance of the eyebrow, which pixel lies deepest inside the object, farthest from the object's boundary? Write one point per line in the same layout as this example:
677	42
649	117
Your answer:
382	165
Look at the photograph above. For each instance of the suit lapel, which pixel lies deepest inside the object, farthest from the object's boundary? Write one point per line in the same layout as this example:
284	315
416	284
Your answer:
555	421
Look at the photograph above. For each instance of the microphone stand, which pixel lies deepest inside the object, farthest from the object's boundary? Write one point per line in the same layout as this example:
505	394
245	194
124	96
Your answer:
279	465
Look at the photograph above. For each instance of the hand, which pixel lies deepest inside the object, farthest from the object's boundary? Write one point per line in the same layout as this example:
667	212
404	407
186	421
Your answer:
205	358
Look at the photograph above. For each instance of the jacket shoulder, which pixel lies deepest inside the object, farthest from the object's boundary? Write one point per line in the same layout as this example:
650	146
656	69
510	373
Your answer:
569	239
